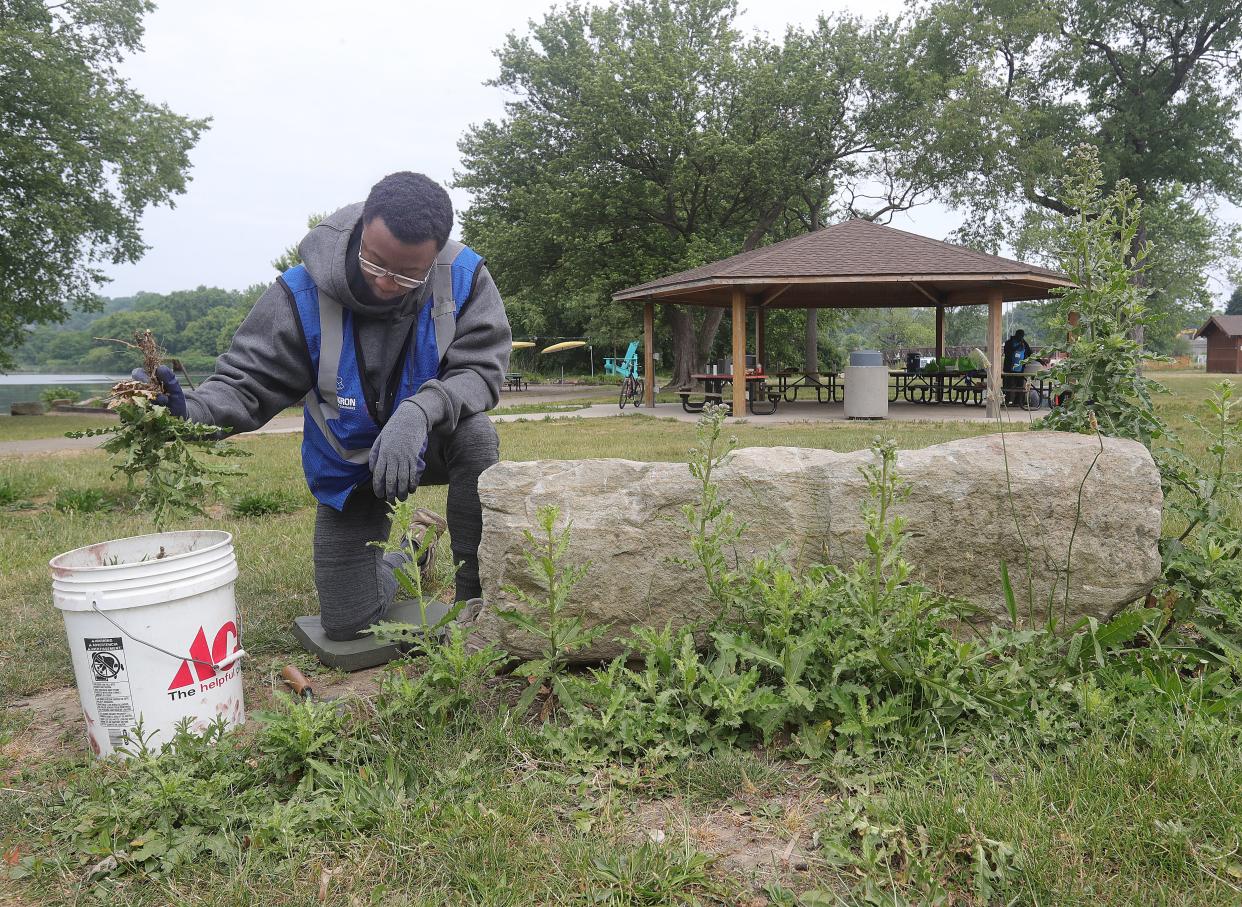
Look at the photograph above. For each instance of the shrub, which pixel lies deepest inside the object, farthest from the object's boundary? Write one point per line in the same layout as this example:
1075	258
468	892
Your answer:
10	491
832	660
84	500
263	503
1102	374
51	394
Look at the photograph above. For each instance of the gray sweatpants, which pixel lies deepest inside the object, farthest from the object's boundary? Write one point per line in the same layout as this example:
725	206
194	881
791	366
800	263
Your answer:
355	580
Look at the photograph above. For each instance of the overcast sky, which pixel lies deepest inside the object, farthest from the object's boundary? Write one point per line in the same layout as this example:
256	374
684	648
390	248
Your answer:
312	102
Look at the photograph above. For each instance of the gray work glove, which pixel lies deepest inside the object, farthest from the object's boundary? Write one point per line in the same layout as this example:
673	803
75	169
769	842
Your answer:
175	398
397	454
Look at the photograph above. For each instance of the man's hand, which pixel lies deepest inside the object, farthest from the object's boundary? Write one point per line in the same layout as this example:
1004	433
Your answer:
397	454
175	398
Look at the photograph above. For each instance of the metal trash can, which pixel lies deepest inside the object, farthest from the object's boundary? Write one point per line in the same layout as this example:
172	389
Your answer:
866	386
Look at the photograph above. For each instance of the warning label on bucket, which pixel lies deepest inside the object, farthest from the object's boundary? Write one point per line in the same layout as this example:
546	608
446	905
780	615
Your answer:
114	700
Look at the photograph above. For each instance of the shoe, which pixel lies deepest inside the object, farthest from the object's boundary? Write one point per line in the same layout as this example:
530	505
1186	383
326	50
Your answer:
466	618
429	526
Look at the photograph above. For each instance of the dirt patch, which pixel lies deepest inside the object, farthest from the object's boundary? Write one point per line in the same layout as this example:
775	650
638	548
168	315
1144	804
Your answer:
364	683
54	727
50	724
764	840
262	684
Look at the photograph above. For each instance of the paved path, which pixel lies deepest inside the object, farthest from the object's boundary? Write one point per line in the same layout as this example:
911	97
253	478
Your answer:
802	412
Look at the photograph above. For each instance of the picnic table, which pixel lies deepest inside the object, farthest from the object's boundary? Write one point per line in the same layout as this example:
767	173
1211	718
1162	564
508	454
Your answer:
516	381
789	382
1030	390
757	392
949	386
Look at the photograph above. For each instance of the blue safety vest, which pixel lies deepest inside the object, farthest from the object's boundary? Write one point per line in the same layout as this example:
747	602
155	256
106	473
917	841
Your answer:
339	425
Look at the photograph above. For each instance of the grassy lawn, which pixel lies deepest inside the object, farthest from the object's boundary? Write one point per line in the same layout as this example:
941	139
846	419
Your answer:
29	428
1151	816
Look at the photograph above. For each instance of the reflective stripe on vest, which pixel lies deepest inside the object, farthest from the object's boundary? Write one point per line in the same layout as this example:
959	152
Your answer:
338	429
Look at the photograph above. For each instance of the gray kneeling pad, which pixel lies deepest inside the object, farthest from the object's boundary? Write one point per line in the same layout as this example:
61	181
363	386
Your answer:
365	651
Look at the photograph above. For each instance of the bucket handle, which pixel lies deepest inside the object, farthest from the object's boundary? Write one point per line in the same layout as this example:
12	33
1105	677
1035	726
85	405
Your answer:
224	662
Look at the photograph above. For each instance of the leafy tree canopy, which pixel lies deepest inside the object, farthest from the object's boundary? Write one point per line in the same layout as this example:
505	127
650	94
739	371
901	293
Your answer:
193	325
650	136
82	155
1153	85
290	257
1234	306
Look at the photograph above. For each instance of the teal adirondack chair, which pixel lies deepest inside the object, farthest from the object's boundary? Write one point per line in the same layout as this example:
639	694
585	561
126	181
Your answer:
626	367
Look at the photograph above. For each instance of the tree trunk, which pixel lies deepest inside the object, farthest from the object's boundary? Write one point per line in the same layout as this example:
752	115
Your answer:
682	323
691	348
811	345
707	336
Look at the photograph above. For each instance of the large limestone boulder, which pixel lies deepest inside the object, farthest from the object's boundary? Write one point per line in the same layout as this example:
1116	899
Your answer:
972	504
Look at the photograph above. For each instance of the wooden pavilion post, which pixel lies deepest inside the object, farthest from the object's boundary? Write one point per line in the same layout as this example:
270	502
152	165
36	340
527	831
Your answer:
810	347
649	354
939	332
995	358
739	353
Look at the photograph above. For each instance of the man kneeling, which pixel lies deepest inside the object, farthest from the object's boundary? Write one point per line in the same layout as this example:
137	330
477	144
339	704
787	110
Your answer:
396	341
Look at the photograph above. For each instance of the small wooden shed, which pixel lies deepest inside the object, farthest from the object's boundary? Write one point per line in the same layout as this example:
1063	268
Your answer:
1224	343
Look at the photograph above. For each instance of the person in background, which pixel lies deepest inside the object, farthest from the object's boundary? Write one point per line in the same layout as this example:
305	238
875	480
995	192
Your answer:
1016	352
396	340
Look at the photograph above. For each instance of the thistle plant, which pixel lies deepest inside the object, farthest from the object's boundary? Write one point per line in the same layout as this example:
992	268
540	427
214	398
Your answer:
413	585
159	453
544	615
713	529
885	529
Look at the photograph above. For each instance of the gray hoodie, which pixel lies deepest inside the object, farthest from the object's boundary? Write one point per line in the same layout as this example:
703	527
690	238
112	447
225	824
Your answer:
267	366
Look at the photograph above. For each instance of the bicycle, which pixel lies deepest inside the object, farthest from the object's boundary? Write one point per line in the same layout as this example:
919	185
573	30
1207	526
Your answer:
631	391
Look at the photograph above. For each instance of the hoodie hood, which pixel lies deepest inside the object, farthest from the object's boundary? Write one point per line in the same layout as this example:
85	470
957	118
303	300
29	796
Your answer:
325	252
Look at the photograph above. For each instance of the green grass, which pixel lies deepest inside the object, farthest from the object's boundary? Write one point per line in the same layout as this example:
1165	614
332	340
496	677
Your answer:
525	408
265	503
1110	822
276	581
30	428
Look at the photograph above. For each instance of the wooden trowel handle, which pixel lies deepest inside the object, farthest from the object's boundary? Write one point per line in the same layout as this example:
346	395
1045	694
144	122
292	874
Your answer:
297	681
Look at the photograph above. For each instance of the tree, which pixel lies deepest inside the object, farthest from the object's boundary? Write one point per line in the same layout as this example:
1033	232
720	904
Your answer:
203	336
1105	389
890	329
1152	84
82	155
122	326
290	257
966	325
1234	306
648	137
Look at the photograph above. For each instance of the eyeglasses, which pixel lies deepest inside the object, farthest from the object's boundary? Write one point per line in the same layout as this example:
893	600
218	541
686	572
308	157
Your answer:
410	283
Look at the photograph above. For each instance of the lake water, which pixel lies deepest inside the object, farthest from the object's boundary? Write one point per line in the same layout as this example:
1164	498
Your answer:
21	388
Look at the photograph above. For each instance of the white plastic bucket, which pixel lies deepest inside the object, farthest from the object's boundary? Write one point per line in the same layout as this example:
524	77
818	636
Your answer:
154	633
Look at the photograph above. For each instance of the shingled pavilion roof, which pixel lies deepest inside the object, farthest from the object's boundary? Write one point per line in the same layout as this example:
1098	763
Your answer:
853	264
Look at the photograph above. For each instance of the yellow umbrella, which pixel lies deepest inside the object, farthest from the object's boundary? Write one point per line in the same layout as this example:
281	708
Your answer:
523	344
565	345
